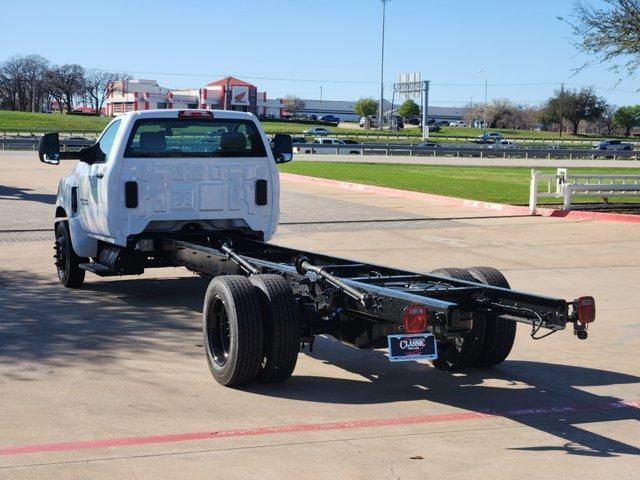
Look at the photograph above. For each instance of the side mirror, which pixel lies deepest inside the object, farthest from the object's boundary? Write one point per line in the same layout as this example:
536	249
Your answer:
90	154
49	149
282	148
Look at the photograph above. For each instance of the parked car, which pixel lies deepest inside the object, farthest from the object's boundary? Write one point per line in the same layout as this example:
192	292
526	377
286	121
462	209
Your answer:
612	145
413	121
457	123
329	118
443	123
317	131
333	141
373	121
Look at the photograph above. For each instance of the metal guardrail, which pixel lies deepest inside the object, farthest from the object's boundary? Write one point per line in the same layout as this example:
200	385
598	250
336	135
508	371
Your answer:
384	135
481	151
31	143
389	135
565	186
389	149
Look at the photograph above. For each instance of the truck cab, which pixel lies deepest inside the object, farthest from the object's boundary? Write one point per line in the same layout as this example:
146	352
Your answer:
170	171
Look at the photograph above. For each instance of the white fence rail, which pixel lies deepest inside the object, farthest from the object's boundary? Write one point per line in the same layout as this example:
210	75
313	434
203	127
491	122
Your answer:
563	186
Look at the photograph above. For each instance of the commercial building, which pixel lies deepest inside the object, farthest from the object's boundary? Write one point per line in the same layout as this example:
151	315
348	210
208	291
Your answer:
226	94
231	93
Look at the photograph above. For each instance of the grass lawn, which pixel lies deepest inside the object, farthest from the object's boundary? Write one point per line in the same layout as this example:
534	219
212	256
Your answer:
492	184
39	122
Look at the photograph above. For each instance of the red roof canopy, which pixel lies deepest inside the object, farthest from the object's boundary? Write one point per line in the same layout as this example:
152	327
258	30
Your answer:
233	81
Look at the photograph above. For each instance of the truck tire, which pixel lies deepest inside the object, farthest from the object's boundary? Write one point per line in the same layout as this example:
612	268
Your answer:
463	351
232	328
281	328
67	262
500	333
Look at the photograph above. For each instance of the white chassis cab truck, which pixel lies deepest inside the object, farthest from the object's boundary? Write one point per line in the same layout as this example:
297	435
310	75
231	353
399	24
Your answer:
199	189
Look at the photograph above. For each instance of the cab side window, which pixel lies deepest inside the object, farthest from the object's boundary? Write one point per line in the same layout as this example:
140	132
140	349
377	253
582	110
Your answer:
107	138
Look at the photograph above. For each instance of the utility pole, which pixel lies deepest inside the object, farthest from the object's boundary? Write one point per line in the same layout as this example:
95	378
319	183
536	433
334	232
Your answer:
320	101
425	110
484	111
380	113
561	106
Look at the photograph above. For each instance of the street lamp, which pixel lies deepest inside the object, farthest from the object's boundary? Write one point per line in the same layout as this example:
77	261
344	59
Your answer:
380	113
484	110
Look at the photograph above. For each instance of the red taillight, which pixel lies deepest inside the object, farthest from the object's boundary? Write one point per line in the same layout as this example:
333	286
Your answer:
414	318
586	307
195	113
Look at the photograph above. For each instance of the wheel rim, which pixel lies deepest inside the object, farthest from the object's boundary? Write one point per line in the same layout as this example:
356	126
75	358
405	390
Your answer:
219	333
61	255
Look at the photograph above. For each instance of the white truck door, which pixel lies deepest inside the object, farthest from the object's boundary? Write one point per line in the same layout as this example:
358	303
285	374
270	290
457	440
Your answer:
94	185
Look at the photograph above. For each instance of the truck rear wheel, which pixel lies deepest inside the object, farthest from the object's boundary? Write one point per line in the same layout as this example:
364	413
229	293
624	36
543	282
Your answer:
281	328
233	331
67	262
500	333
462	351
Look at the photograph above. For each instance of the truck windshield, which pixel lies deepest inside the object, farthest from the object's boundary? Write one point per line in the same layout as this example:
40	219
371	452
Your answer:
194	137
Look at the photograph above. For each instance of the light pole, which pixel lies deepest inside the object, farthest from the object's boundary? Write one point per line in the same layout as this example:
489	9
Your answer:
380	113
484	111
320	101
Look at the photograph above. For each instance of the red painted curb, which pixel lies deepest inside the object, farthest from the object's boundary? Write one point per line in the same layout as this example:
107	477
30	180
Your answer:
460	202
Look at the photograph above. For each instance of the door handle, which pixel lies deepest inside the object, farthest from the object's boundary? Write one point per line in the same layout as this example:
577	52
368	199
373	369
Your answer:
99	175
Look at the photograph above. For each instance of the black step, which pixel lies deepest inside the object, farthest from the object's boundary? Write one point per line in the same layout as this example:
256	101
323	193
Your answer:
98	269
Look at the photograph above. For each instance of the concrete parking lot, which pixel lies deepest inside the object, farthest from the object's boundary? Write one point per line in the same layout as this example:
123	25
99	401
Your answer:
111	381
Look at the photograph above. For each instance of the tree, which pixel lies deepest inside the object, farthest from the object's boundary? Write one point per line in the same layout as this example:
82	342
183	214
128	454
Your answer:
99	84
65	82
610	33
627	117
409	108
575	106
293	104
501	113
365	107
22	82
607	121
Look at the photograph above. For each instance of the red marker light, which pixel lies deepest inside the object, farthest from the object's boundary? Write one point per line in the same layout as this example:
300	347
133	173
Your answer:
414	318
586	307
195	113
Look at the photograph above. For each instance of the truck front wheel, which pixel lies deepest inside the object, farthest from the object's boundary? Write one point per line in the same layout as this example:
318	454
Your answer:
462	351
281	327
500	333
233	330
67	262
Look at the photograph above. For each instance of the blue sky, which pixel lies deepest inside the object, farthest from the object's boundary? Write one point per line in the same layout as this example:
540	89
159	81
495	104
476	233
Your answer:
297	46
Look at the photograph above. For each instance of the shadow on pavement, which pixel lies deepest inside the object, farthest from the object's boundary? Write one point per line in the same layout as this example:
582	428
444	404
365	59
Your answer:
45	323
507	390
25	194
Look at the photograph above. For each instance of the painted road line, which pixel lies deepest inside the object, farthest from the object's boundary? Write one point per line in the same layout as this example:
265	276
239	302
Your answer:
308	427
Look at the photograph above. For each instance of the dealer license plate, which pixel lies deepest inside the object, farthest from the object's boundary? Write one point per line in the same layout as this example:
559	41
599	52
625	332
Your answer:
417	346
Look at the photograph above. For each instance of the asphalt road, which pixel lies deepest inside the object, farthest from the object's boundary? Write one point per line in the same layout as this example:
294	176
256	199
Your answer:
111	381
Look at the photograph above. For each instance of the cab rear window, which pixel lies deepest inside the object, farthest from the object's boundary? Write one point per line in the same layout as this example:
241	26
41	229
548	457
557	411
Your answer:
194	137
